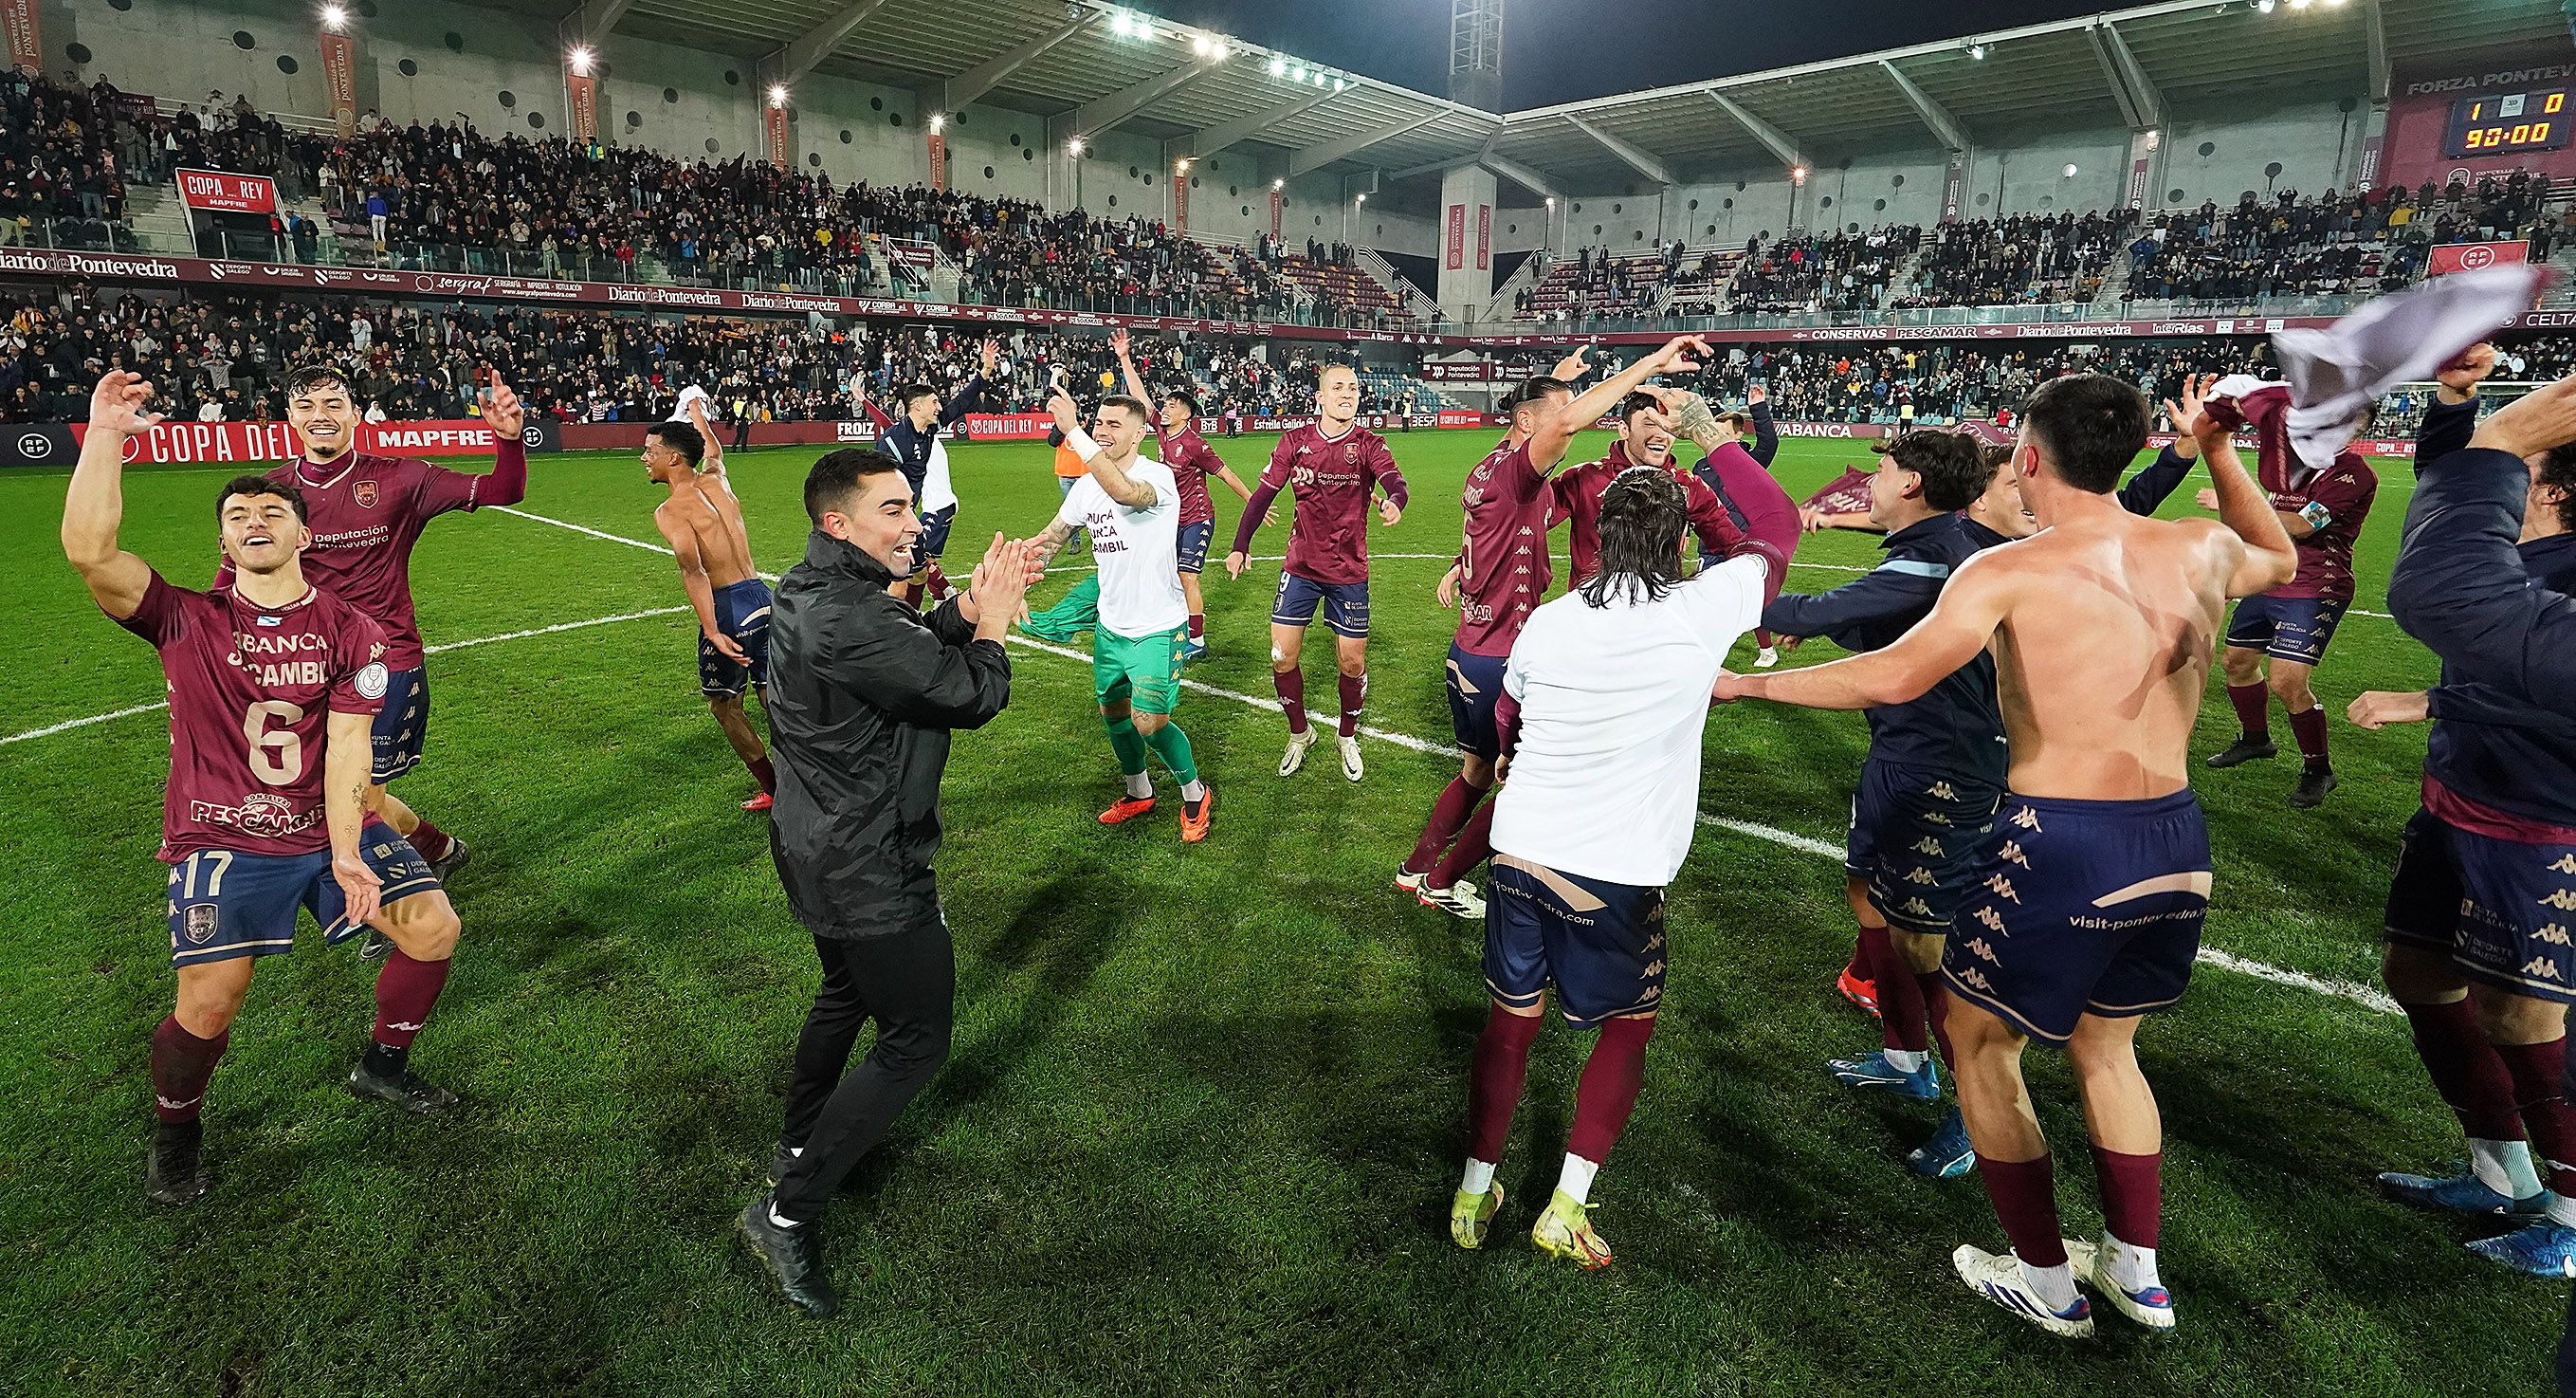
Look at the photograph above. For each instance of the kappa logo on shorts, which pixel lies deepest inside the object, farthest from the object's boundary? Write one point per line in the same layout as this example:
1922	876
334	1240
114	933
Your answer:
2012	851
2538	967
2027	819
1654	941
2553	933
2563	900
1976	980
1979	948
1993	920
1942	791
1653	968
1919	874
2002	886
201	921
364	492
1915	907
1928	845
2566	864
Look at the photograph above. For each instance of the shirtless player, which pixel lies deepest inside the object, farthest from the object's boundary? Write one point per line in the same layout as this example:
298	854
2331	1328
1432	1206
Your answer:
702	521
2091	887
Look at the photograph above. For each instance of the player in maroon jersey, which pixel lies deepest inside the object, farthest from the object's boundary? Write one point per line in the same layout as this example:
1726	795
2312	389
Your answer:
1499	577
274	686
2287	629
367	512
1645	438
1336	467
1193	461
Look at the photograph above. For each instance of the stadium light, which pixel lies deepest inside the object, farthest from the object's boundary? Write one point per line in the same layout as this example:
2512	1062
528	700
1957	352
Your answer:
1220	51
1319	77
2298	4
1278	184
2263	6
938	123
1074	146
1120	25
1551	201
1201	46
1297	73
1338	84
1278	67
778	94
1361	200
1798	174
1977	52
1180	167
579	61
2069	171
334	18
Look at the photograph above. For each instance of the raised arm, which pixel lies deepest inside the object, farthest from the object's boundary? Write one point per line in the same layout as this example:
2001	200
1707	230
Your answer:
1766	433
1549	438
2266	558
1127	491
988	362
1973	604
1118	345
95	505
2460	585
2152	486
2453	417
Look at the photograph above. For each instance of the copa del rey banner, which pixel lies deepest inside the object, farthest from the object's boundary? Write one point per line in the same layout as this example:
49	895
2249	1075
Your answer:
2469	257
267	443
221	191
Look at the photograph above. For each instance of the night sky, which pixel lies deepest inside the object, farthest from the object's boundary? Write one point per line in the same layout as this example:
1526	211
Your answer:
1567	50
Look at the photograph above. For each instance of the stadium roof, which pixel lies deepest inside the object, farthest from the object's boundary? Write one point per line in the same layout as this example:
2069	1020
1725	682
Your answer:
1090	67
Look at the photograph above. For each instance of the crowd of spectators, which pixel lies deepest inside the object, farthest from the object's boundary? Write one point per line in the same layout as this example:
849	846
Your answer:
223	357
2360	243
1837	272
60	178
2029	259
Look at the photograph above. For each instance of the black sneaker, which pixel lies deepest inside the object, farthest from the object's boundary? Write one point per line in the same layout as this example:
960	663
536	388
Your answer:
2313	785
178	1175
780	1164
376	947
2244	749
405	1089
793	1255
448	865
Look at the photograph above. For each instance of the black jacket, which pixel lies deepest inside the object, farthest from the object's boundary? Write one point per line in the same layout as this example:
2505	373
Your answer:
862	694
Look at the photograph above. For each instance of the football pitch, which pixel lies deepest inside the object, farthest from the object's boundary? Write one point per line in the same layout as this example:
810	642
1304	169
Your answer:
1204	1113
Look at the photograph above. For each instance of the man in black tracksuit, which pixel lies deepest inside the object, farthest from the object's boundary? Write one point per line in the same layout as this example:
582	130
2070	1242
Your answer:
863	692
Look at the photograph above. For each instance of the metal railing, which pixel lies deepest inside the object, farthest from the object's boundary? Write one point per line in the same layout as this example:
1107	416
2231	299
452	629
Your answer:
70	234
2054	313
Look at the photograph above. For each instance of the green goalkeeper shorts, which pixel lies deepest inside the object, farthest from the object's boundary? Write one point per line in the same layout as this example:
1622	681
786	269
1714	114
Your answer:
1145	671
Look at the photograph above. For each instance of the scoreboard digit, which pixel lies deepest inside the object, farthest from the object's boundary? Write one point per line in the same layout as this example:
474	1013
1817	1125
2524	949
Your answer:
2505	123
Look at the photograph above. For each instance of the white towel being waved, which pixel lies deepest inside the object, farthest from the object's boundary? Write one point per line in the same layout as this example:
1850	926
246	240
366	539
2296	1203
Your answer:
2330	376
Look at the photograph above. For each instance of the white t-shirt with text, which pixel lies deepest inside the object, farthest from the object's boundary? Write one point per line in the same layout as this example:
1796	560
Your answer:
1138	551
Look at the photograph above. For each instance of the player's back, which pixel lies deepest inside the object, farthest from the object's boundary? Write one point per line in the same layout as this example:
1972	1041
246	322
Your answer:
714	517
2103	653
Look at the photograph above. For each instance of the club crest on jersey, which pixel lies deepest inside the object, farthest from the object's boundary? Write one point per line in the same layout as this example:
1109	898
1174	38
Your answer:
372	680
1351	453
364	492
201	920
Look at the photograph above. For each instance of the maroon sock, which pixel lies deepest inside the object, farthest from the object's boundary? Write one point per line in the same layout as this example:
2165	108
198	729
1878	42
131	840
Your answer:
405	991
1858	966
430	842
1902	1022
1457	801
1608	1090
1474	845
2466	1069
937	584
1762	638
2025	1198
2132	1194
2539	1096
182	1064
1354	694
1291	685
1494	1080
2253	708
1936	1013
763	773
1198	626
2310	729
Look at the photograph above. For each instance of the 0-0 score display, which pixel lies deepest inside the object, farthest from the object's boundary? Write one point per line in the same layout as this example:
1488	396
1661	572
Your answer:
2500	123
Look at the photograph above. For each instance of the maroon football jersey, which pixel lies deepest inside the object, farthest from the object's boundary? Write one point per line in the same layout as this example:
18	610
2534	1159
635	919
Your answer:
251	691
1192	461
366	512
1577	493
1334	478
1504	569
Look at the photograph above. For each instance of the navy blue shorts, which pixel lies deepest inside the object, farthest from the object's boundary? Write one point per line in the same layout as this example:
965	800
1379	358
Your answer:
934	536
2081	907
742	612
1475	687
402	726
1345	604
2502	910
1192	545
1913	835
1600	943
2287	628
225	905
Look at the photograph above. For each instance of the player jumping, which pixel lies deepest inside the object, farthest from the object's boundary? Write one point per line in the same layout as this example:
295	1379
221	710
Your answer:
1335	467
2479	952
1191	461
702	521
1499	577
913	441
274	688
2091	888
1131	506
1606	696
367	512
2323	511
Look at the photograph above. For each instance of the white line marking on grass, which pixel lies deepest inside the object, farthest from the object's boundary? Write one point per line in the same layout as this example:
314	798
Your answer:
2360	995
69	724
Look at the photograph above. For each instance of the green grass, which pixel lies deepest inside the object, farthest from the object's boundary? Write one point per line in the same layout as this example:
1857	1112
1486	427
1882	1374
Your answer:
1204	1113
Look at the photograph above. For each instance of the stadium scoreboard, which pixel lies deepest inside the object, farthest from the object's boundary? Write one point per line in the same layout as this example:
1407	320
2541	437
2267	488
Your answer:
2499	124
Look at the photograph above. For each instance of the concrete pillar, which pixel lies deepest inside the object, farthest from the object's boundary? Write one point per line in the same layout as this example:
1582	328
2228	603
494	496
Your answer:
1465	251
